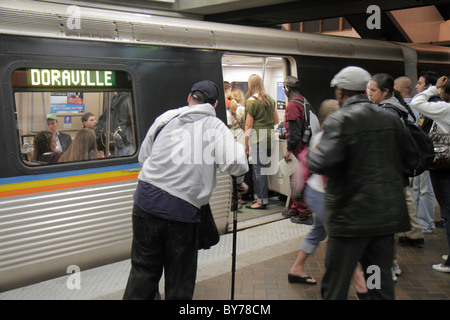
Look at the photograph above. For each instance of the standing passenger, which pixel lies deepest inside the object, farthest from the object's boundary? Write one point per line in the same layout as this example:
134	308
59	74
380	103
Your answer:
88	120
361	155
404	86
314	197
294	122
439	112
237	111
381	92
423	192
173	184
426	80
261	116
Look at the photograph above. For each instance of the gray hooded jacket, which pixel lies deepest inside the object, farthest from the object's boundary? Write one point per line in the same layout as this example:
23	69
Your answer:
192	145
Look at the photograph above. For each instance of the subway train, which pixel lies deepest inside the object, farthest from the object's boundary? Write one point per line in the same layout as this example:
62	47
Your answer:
59	61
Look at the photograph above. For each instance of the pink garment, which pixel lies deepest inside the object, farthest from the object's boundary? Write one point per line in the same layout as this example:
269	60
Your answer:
297	182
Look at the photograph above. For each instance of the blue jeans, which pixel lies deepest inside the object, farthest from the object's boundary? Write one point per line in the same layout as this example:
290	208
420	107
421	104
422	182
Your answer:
424	199
260	160
441	187
316	202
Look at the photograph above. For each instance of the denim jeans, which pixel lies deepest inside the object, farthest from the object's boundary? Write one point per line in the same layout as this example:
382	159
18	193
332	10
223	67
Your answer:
316	202
162	244
424	199
260	160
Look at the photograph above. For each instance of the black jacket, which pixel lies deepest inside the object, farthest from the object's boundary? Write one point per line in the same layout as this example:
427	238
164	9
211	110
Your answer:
361	155
65	140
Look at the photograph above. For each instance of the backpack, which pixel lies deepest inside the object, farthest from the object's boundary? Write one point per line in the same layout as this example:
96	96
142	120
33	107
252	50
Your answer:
423	146
311	124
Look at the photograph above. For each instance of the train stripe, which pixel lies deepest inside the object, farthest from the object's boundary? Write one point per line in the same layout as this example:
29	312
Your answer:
74	181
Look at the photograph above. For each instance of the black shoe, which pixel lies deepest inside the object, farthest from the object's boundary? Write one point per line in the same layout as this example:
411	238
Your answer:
418	243
363	295
288	213
308	220
439	224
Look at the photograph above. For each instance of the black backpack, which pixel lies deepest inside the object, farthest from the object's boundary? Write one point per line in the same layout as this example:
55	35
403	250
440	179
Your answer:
423	146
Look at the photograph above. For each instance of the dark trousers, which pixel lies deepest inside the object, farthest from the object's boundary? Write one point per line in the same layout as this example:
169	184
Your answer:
342	257
441	187
161	244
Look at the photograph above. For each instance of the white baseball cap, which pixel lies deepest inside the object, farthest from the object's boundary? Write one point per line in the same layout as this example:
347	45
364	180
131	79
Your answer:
351	78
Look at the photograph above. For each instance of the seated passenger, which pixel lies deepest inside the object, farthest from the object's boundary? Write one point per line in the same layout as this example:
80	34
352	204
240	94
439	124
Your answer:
84	147
44	148
63	140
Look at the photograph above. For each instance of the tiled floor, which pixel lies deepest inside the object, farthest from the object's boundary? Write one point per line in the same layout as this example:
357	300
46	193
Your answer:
267	280
264	256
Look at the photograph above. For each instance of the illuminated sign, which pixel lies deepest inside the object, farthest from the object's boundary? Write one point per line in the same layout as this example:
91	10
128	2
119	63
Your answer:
70	78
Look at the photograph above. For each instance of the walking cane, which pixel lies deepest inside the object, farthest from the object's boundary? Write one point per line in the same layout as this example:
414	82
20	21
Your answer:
233	254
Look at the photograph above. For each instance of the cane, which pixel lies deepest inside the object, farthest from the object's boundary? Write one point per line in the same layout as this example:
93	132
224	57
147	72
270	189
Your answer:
233	254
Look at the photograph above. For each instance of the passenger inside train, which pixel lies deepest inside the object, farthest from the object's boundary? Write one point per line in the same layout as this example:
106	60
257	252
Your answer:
56	104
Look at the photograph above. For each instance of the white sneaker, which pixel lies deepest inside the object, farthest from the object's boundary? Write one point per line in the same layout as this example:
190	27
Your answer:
441	267
394	276
444	256
396	268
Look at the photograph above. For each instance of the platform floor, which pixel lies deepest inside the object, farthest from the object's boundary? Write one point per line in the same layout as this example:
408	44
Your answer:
264	257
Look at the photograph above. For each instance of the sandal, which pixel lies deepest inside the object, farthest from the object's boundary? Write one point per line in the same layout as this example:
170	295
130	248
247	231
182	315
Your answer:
260	206
298	279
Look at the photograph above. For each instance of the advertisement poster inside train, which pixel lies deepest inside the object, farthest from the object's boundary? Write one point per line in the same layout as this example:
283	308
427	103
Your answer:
67	102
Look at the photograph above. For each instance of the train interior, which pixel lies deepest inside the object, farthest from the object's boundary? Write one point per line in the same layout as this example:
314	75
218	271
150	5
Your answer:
273	70
34	105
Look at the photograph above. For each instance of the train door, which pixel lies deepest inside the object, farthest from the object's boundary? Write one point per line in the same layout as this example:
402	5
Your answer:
273	70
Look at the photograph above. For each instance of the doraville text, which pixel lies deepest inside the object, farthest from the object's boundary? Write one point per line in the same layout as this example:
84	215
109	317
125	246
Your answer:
208	147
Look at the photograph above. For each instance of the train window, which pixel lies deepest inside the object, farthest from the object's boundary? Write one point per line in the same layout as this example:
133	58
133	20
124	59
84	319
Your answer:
66	115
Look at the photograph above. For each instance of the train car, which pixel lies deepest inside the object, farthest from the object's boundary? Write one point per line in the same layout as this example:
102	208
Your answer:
58	62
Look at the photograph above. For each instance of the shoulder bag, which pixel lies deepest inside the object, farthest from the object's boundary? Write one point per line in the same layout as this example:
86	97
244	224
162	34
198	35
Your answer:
208	235
441	144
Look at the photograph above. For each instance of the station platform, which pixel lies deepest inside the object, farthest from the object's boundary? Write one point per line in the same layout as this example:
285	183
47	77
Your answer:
264	256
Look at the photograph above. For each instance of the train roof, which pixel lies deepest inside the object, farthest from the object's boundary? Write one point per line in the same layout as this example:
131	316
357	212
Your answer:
93	24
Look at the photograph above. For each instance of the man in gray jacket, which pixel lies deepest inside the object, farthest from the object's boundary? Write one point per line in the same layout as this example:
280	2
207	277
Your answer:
179	157
361	154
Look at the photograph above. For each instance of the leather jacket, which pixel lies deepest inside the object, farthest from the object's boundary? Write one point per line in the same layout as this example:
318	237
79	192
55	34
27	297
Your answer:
361	155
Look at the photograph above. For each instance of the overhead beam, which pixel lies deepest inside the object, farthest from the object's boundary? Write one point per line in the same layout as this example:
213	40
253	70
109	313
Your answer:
422	25
305	10
206	7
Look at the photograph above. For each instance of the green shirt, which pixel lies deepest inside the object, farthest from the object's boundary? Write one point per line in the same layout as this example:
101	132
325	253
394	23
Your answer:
263	118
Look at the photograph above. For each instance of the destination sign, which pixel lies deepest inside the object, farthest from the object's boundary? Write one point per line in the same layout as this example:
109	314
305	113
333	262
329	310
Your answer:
70	78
